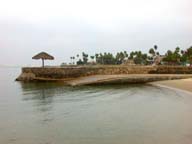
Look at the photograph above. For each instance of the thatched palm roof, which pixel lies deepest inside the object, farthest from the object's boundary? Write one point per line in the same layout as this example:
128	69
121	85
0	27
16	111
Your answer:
43	55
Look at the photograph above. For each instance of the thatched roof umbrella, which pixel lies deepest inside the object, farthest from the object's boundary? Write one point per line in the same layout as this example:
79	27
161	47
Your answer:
43	56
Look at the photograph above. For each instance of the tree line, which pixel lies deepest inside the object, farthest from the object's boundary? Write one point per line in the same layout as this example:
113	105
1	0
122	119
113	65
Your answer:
171	57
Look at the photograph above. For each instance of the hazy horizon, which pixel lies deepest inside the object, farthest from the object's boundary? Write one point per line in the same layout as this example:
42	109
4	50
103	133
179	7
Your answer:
67	28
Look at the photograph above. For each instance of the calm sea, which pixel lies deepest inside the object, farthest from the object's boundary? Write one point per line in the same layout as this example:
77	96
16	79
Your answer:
51	113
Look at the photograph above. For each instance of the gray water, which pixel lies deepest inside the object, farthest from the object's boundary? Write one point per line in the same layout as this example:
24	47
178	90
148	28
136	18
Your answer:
51	113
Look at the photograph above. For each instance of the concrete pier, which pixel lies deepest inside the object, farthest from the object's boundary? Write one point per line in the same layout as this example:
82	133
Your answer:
125	79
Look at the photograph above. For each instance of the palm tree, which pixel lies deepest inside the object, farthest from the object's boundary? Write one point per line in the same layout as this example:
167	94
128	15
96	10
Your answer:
96	57
152	52
71	59
92	57
85	57
155	47
125	54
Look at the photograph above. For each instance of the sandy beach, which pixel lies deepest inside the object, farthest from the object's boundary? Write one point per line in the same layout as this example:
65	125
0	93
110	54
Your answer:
182	84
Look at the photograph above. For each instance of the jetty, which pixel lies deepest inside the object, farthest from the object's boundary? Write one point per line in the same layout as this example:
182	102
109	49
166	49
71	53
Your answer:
93	75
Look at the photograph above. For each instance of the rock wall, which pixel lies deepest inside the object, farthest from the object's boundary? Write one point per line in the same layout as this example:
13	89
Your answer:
68	72
31	73
172	70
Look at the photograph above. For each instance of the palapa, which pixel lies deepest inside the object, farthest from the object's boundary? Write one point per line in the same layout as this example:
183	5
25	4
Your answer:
43	56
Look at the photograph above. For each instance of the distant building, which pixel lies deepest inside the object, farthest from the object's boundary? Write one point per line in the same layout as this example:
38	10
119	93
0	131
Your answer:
128	62
158	59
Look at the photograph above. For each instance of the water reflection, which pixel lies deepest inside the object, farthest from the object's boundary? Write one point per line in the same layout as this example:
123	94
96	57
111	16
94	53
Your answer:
109	114
40	97
46	93
51	113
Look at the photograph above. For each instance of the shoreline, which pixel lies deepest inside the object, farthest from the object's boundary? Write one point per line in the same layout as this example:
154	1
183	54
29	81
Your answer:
125	79
183	85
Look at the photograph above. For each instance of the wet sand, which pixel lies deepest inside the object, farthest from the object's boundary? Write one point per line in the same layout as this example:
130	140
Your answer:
182	84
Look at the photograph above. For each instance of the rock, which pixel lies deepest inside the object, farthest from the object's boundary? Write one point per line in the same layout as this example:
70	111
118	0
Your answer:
26	77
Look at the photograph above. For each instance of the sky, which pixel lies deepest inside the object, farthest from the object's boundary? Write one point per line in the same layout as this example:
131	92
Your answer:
65	28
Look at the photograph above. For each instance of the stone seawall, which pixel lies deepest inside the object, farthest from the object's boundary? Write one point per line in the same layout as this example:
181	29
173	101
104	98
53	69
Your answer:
54	73
172	70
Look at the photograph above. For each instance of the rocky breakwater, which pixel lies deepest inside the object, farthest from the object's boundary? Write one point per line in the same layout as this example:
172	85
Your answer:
104	74
63	73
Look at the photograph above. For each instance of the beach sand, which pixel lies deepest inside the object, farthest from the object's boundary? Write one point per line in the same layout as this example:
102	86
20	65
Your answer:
182	84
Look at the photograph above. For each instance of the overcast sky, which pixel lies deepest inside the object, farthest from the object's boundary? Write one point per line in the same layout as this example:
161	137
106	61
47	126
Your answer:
65	28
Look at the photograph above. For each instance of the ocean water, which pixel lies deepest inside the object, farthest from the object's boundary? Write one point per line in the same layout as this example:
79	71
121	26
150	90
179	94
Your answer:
51	113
